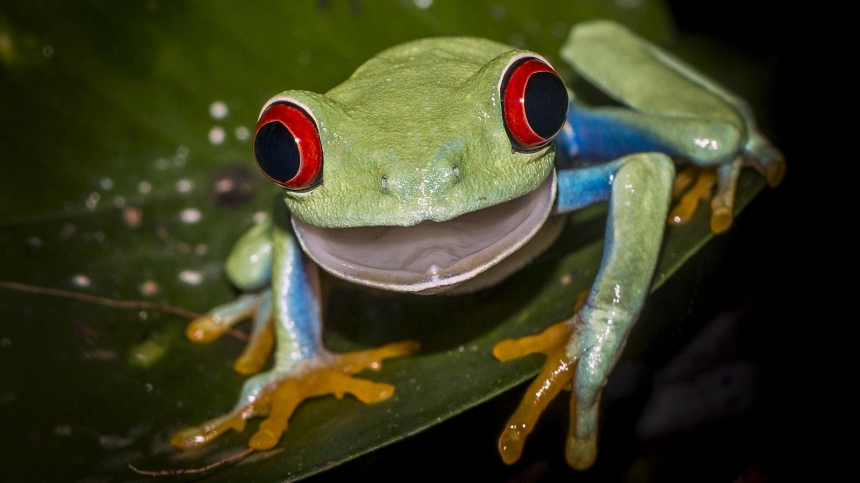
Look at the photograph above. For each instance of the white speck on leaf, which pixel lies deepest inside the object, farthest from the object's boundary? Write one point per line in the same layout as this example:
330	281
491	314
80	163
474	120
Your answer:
132	216
259	217
218	110
81	281
149	288
224	185
217	135
190	215
191	277
184	186
93	201
242	133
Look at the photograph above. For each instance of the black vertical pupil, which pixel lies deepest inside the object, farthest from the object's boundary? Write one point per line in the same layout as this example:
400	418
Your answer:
277	152
546	104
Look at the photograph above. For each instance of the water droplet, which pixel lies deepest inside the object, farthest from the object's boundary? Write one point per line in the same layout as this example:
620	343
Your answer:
81	281
149	288
132	216
190	215
218	110
191	277
217	135
259	217
92	201
184	186
242	133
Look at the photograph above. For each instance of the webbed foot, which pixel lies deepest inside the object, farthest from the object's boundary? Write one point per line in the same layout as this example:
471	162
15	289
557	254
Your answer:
558	372
555	375
277	393
222	318
695	184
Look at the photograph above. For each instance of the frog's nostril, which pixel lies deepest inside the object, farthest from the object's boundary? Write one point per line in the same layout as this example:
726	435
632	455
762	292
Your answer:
425	185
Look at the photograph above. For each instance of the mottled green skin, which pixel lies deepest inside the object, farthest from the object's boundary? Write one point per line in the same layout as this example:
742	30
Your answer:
415	137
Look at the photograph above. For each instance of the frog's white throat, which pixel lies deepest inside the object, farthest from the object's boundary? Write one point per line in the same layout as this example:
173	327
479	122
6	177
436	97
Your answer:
429	257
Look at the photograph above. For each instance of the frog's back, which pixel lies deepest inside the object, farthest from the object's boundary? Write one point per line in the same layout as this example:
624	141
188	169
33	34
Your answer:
442	61
465	49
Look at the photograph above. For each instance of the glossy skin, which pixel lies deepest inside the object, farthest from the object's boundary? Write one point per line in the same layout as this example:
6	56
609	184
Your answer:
416	138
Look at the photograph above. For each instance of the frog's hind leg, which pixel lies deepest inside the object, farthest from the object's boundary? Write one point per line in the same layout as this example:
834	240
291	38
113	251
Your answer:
665	106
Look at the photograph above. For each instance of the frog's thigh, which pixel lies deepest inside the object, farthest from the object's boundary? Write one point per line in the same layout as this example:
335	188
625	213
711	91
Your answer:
249	266
671	103
641	75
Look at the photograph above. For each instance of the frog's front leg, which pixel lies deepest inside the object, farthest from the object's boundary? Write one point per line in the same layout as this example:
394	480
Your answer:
303	367
582	350
665	106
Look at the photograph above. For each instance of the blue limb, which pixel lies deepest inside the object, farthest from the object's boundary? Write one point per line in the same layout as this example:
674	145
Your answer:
600	134
303	367
580	187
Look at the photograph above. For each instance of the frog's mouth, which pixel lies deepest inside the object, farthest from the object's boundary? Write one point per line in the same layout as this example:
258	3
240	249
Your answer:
431	256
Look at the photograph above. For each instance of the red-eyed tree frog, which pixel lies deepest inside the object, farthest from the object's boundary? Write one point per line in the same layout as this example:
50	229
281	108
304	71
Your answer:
441	166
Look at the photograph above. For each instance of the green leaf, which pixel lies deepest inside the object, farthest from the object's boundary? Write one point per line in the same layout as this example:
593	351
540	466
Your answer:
124	178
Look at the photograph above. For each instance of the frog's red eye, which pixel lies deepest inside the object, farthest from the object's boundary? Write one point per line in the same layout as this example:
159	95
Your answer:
534	103
287	146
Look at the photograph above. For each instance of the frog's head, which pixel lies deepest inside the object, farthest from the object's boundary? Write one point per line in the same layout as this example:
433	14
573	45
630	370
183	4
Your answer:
429	165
